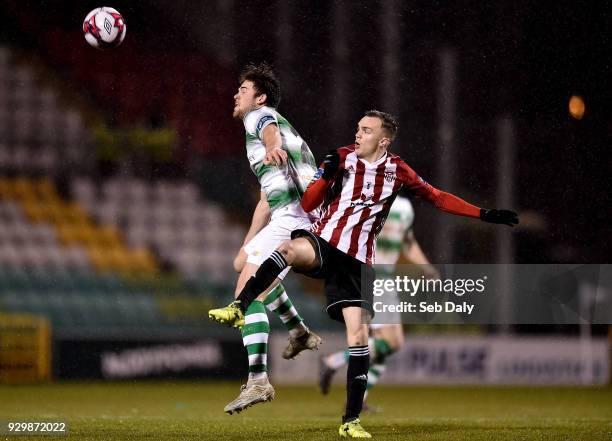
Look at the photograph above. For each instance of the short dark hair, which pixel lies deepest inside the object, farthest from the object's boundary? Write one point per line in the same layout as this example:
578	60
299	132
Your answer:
389	122
264	81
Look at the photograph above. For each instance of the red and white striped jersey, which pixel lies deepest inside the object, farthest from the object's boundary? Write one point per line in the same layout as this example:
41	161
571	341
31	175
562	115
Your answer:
360	196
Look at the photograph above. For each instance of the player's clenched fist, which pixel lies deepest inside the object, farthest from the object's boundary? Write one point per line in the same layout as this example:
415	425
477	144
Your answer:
331	163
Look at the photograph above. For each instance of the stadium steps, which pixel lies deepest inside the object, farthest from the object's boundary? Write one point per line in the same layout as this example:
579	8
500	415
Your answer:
104	245
189	234
40	130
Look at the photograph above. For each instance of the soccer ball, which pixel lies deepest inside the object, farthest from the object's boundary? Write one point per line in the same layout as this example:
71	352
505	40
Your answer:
104	28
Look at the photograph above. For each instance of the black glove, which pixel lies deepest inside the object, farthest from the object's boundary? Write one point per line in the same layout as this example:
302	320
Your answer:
330	164
494	216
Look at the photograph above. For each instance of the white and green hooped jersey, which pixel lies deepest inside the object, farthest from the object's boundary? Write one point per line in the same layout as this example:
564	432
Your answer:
391	238
284	186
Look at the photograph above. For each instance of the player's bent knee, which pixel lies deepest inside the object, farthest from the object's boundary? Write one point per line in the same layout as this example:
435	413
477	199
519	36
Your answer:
299	253
398	342
240	260
395	341
306	257
238	264
287	250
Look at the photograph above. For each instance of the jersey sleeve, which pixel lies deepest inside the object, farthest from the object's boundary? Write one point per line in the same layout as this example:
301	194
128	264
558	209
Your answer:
314	195
440	199
257	120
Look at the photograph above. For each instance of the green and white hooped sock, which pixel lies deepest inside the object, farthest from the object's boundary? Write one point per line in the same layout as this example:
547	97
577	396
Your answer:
379	351
279	302
255	334
340	358
382	350
337	359
374	373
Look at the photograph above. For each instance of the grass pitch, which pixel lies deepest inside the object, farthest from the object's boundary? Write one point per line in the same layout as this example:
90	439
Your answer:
194	411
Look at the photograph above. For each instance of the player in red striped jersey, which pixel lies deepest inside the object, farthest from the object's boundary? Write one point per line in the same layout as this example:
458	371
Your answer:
355	188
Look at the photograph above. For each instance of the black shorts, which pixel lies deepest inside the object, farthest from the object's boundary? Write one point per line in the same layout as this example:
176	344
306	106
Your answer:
343	275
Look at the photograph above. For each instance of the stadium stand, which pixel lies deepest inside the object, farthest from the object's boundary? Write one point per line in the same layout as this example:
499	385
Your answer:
38	133
192	82
107	250
191	235
96	255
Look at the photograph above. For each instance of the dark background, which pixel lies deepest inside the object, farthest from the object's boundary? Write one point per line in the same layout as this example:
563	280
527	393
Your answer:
519	60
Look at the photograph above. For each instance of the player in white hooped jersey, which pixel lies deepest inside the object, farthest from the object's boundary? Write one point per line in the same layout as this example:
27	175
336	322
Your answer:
395	240
284	165
283	186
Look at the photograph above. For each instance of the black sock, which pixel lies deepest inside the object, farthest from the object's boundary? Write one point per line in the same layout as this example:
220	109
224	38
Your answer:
263	278
356	381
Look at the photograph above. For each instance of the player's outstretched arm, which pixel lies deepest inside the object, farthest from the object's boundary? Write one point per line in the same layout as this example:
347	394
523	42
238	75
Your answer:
453	204
315	193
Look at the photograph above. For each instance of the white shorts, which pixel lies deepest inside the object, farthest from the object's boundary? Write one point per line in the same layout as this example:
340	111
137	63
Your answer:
271	236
